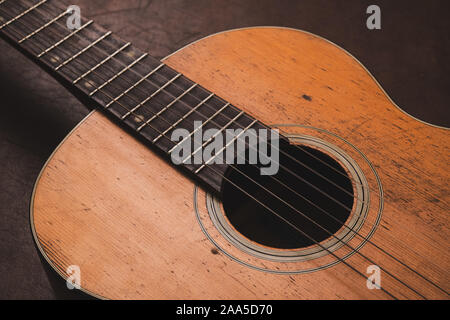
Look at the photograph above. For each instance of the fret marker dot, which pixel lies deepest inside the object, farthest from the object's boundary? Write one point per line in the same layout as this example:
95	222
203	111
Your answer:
87	85
139	118
54	59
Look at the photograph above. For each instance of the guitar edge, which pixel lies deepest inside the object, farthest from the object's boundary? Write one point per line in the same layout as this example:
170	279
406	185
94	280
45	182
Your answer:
106	203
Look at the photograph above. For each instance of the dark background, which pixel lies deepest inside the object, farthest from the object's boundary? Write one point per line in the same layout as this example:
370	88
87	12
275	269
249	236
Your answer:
409	56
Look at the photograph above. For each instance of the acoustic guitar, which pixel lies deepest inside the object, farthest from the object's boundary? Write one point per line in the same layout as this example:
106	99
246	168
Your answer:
358	208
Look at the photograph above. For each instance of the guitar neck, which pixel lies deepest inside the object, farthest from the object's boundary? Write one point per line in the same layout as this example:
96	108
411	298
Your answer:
147	97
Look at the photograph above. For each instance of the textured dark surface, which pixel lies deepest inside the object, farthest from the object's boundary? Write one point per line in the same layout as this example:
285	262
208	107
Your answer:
409	57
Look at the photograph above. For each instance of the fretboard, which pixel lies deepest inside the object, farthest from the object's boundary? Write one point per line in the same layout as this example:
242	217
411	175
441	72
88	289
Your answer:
138	91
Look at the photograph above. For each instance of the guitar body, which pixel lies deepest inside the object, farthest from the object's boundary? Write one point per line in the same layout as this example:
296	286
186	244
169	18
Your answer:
138	228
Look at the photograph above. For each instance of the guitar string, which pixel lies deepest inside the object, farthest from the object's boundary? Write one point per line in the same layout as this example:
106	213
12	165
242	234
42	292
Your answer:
345	262
352	229
295	146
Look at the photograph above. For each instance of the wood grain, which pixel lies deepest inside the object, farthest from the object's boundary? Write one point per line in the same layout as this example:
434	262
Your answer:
108	204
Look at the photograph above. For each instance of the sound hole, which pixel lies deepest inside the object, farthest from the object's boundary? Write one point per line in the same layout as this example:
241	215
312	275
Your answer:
318	205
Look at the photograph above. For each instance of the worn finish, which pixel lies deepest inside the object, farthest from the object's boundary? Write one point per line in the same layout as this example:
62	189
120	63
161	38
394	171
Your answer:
108	204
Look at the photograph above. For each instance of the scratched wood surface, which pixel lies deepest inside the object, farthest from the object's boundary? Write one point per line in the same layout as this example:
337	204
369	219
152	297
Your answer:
108	204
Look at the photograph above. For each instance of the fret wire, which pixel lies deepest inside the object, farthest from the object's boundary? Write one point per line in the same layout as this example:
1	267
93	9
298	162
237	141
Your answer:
83	50
102	62
125	108
42	27
117	75
22	14
64	39
167	107
210	139
183	117
232	141
203	124
136	84
116	99
151	96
